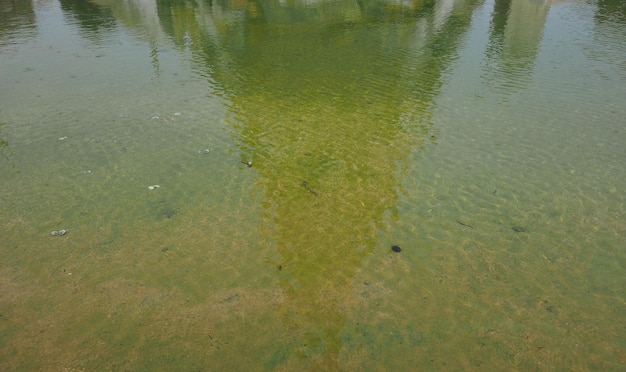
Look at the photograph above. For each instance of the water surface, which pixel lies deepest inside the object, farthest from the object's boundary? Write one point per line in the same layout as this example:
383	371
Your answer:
293	144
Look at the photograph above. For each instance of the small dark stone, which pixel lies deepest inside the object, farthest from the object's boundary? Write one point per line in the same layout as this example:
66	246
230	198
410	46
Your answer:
396	248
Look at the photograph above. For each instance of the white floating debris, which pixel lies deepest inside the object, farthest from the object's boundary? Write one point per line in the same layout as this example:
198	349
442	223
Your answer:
155	117
153	187
177	114
62	138
58	232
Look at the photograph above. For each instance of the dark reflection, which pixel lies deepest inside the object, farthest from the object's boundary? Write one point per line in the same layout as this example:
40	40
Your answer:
17	18
610	31
95	21
515	34
612	10
499	18
5	151
327	101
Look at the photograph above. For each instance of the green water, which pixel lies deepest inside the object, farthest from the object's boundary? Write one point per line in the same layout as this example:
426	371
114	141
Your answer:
485	138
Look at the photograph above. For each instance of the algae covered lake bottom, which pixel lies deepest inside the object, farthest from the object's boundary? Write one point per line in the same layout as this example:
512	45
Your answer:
434	185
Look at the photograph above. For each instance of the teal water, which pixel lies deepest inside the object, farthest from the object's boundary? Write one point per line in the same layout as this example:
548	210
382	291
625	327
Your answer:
484	138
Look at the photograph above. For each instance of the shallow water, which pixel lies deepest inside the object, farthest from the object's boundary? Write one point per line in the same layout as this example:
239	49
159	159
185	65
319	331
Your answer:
485	138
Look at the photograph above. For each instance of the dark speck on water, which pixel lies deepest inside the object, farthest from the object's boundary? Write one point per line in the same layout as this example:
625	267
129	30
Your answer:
396	248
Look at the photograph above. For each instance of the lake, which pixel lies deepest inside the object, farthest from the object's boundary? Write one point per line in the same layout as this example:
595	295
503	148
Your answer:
312	185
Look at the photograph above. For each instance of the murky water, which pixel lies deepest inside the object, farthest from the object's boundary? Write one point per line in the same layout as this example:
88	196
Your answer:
293	144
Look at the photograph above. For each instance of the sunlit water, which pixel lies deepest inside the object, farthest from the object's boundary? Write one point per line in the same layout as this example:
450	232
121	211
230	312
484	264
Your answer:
293	144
